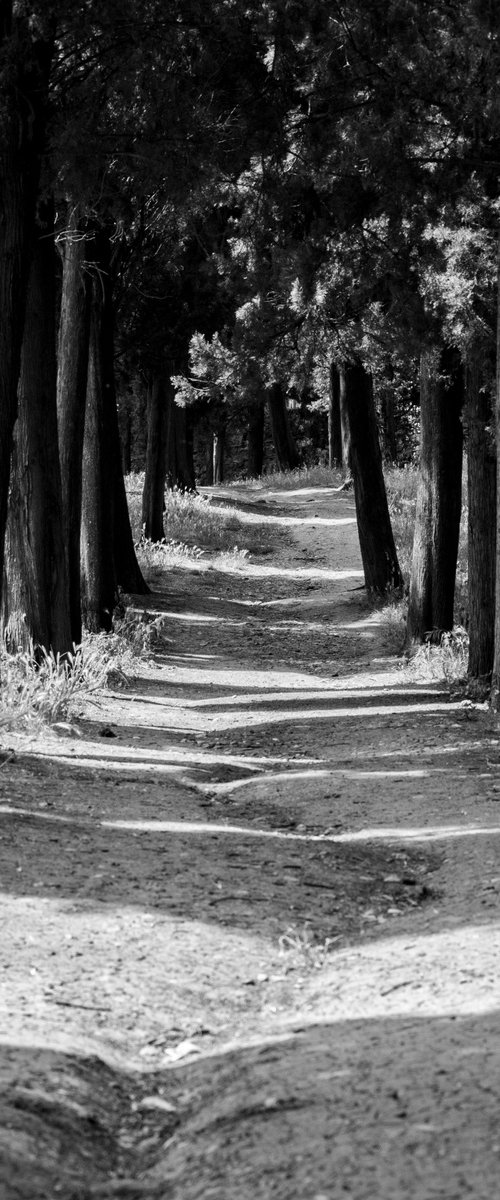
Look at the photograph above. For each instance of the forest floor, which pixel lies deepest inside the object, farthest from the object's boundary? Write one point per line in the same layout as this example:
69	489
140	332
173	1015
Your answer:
250	904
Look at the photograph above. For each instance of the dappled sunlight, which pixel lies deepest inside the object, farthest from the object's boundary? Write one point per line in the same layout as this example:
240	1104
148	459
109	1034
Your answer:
150	759
417	833
273	678
265	570
399	834
271	518
331	773
434	973
197	716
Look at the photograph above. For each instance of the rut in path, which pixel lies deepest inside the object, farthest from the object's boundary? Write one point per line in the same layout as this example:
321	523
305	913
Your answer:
250	908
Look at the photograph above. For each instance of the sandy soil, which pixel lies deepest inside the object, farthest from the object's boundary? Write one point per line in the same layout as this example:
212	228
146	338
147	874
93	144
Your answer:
250	904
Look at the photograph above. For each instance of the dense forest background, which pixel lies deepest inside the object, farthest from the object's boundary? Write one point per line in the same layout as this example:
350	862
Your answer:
237	236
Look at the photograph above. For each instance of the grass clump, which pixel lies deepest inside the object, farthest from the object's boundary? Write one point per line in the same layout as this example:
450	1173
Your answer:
447	660
40	688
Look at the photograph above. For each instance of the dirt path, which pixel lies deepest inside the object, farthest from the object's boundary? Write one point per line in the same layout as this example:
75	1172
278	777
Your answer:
250	934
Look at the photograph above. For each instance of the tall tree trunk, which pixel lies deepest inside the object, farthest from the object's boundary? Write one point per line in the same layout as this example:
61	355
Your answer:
99	584
38	596
156	461
284	445
128	573
255	442
126	442
481	471
180	465
73	358
495	680
378	551
437	524
23	103
108	557
336	380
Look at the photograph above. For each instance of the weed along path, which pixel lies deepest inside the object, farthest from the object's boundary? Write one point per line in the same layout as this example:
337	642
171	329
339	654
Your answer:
250	900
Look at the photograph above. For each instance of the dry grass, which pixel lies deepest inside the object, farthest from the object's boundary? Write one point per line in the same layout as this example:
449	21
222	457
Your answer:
38	691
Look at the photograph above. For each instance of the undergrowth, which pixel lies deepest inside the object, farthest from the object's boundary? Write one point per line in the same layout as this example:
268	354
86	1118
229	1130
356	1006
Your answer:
301	477
193	526
40	689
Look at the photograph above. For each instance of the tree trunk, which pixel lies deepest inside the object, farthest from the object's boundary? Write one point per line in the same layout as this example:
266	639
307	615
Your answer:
23	101
37	595
108	557
218	447
378	552
481	470
255	442
388	418
284	445
335	458
73	357
128	573
99	584
495	681
156	461
125	427
437	525
180	465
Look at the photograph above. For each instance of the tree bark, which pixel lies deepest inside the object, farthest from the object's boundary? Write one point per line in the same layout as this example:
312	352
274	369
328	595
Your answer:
284	444
378	551
73	358
481	471
23	104
99	583
388	417
255	441
156	461
495	680
336	381
218	447
180	465
437	525
108	558
37	593
128	573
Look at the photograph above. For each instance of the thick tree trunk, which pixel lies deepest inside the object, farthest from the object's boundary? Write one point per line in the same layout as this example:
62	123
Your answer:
255	441
156	461
73	357
37	596
378	551
481	471
437	525
335	457
284	445
23	99
180	465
